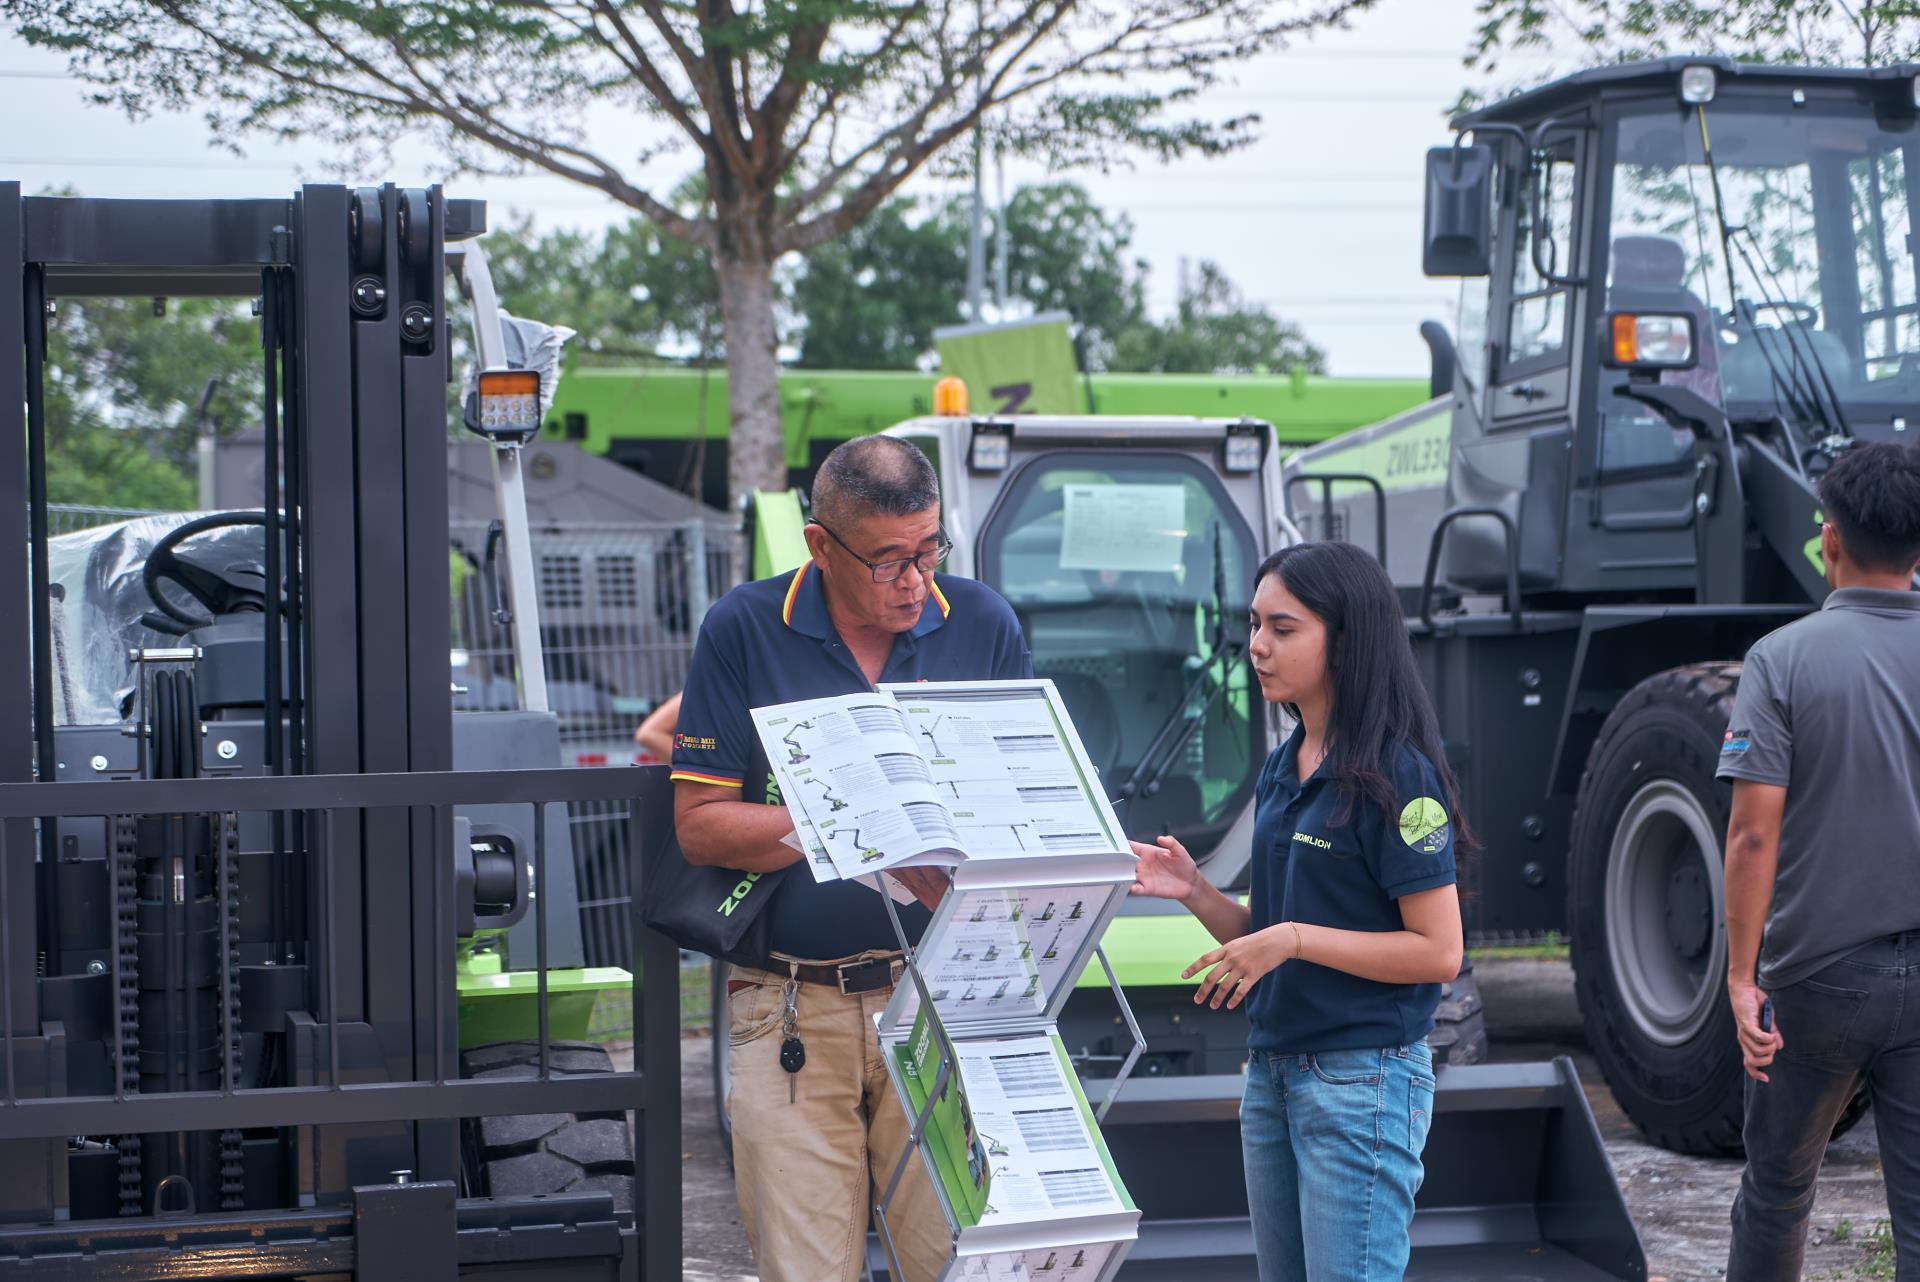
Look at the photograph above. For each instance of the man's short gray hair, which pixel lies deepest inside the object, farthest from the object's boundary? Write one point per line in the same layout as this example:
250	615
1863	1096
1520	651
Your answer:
874	476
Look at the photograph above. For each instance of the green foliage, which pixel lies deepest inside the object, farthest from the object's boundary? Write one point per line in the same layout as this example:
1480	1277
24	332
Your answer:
1824	32
123	395
804	116
1215	331
872	299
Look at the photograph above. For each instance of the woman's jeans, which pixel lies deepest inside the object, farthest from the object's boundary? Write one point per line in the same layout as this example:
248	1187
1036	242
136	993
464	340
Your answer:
1332	1144
1855	1023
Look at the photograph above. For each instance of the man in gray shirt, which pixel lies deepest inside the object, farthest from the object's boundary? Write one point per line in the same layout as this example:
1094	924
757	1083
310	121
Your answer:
1823	850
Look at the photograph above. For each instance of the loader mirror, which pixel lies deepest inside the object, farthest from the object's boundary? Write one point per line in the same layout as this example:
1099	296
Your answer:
1648	342
1459	221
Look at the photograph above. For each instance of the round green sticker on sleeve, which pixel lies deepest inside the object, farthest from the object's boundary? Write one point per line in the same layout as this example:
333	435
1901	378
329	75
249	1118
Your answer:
1423	825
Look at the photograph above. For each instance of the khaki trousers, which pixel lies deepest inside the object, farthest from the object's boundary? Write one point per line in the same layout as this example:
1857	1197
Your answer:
809	1171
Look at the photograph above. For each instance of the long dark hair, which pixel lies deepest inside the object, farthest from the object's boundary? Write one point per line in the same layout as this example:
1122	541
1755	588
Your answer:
1379	701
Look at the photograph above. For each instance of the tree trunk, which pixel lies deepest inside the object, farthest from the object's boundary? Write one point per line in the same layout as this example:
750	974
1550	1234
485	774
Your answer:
756	454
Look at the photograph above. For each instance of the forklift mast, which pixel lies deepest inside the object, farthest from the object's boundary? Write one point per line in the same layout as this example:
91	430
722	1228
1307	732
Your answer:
228	920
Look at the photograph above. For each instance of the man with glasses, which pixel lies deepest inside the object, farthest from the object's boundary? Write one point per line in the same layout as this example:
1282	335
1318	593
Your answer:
864	609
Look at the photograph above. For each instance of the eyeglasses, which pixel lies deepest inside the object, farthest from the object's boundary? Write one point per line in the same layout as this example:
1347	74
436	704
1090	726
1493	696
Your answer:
887	571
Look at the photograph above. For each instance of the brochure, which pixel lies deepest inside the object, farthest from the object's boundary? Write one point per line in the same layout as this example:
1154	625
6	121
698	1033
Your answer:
1047	1160
936	773
960	1159
1005	951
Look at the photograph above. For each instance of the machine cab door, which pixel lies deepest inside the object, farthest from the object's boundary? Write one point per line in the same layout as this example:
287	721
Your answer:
1538	304
1513	459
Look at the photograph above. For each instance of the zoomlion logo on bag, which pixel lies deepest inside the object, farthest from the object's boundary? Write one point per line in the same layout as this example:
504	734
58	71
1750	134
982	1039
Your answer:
739	893
1424	826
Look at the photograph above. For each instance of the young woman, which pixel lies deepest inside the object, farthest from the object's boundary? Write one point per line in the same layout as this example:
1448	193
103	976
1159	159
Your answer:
1352	927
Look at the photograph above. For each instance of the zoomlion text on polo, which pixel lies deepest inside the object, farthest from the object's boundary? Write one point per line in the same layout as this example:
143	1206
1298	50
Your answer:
1347	875
771	641
1829	709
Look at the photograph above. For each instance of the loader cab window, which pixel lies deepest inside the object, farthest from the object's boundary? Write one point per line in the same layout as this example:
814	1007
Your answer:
1131	575
1807	294
1537	310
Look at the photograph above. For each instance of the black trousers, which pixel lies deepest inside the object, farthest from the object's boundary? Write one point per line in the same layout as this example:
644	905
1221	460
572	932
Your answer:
1854	1023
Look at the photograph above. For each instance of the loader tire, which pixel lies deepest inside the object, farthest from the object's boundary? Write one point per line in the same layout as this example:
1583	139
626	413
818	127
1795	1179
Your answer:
1647	916
538	1153
1459	1033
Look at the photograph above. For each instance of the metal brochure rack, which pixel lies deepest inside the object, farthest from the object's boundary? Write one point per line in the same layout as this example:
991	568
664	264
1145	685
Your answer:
1040	919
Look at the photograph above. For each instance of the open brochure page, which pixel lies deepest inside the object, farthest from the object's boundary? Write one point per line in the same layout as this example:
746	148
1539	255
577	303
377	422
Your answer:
1049	1264
1037	1131
1010	773
849	767
1006	951
959	1157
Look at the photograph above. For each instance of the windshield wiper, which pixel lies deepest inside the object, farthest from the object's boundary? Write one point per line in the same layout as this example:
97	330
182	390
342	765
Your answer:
1180	723
1828	410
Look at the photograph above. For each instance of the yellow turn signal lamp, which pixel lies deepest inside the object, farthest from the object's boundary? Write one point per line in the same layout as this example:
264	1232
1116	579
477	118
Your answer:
1650	341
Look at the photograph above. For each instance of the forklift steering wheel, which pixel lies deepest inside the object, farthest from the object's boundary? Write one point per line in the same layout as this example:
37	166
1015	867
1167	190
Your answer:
211	588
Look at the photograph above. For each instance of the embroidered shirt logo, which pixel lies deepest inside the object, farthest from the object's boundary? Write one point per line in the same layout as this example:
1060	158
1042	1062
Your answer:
1424	826
1312	840
701	742
1737	741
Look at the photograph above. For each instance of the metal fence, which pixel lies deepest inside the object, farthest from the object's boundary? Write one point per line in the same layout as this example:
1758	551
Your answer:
619	605
65	518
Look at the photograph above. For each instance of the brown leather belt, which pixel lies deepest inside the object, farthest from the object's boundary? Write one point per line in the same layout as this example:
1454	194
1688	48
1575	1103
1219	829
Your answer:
865	975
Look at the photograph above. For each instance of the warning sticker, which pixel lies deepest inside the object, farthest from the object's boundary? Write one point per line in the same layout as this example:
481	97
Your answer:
1423	825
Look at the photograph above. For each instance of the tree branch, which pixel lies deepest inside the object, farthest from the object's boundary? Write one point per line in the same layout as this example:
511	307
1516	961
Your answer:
464	118
705	86
956	80
635	58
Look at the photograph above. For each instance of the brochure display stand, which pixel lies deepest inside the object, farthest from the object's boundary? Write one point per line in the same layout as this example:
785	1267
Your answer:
989	776
998	1115
971	1042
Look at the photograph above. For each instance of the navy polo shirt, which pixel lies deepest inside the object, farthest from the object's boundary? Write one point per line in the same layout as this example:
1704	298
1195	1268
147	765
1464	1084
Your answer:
1308	868
772	641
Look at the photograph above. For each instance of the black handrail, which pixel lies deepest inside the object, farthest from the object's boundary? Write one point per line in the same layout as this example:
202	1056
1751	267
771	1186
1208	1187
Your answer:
1433	561
1327	481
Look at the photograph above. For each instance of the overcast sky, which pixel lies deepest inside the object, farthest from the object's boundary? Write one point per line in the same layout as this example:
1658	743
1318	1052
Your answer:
1319	220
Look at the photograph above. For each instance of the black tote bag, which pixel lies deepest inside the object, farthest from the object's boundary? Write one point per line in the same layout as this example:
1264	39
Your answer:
721	912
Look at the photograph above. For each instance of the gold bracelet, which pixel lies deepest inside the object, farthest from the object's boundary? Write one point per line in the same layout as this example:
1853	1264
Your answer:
1299	946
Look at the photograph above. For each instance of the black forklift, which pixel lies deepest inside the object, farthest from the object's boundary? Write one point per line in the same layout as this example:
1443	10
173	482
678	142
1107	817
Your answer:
237	912
1688	286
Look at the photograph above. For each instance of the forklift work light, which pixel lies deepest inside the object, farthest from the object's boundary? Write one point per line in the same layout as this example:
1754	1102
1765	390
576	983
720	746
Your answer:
992	447
1697	85
508	406
1650	341
1244	447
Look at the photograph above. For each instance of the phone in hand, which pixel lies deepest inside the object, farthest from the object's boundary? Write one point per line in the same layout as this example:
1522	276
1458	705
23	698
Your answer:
1766	1014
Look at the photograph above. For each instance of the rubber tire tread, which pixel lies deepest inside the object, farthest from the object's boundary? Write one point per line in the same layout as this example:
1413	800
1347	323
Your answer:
1459	1033
535	1154
1705	1117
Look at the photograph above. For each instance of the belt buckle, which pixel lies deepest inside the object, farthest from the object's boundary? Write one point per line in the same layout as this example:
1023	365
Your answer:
862	968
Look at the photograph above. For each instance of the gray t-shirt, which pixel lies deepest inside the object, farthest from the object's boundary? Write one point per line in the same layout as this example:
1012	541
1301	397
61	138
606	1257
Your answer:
1829	708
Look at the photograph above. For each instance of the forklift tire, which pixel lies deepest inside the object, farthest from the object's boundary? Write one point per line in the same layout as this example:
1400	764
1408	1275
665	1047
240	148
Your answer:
1647	916
1459	1033
540	1153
